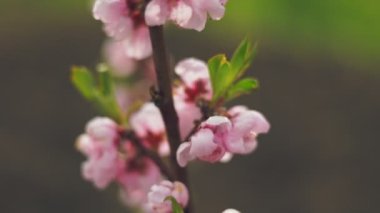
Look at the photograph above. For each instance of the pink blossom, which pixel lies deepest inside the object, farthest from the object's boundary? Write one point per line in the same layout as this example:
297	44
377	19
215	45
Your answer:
246	126
195	85
136	180
138	44
149	126
196	80
207	143
123	20
98	145
187	112
219	137
86	145
190	14
115	16
159	192
102	129
230	211
102	167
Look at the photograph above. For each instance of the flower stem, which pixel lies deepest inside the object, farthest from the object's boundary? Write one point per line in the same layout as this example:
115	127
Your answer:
163	98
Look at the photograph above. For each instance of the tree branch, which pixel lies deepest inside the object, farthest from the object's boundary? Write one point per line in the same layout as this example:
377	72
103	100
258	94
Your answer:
163	98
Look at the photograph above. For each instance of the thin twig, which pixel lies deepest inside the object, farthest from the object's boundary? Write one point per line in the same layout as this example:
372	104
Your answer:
206	113
193	130
131	136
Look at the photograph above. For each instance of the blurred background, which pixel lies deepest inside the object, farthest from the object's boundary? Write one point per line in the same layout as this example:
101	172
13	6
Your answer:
319	68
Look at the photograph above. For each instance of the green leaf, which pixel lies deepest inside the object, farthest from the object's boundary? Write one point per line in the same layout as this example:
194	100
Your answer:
109	106
105	82
84	81
243	57
176	208
244	86
214	65
225	74
220	74
101	93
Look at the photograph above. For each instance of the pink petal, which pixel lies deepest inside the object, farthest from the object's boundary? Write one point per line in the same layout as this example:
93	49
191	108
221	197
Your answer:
180	193
192	70
86	145
227	157
181	14
102	129
138	45
220	125
236	110
204	147
197	21
187	113
119	30
241	144
250	120
250	146
215	8
121	65
261	124
183	154
202	143
147	119
156	12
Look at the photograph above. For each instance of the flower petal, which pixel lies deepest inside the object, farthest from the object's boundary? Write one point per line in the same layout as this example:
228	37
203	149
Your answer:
183	154
156	12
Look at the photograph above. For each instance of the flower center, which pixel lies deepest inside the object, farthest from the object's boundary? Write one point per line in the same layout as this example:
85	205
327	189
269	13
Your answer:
135	8
193	93
153	140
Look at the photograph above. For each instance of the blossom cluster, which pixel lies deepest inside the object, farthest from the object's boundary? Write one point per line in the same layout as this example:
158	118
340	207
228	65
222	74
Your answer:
221	136
129	146
109	160
128	48
113	158
126	21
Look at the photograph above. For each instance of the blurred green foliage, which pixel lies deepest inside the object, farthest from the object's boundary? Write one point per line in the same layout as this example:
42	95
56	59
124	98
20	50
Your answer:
349	29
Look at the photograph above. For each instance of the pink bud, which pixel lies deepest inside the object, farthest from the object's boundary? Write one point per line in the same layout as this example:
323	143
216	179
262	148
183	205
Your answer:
101	168
102	129
207	143
86	145
98	145
246	126
158	194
